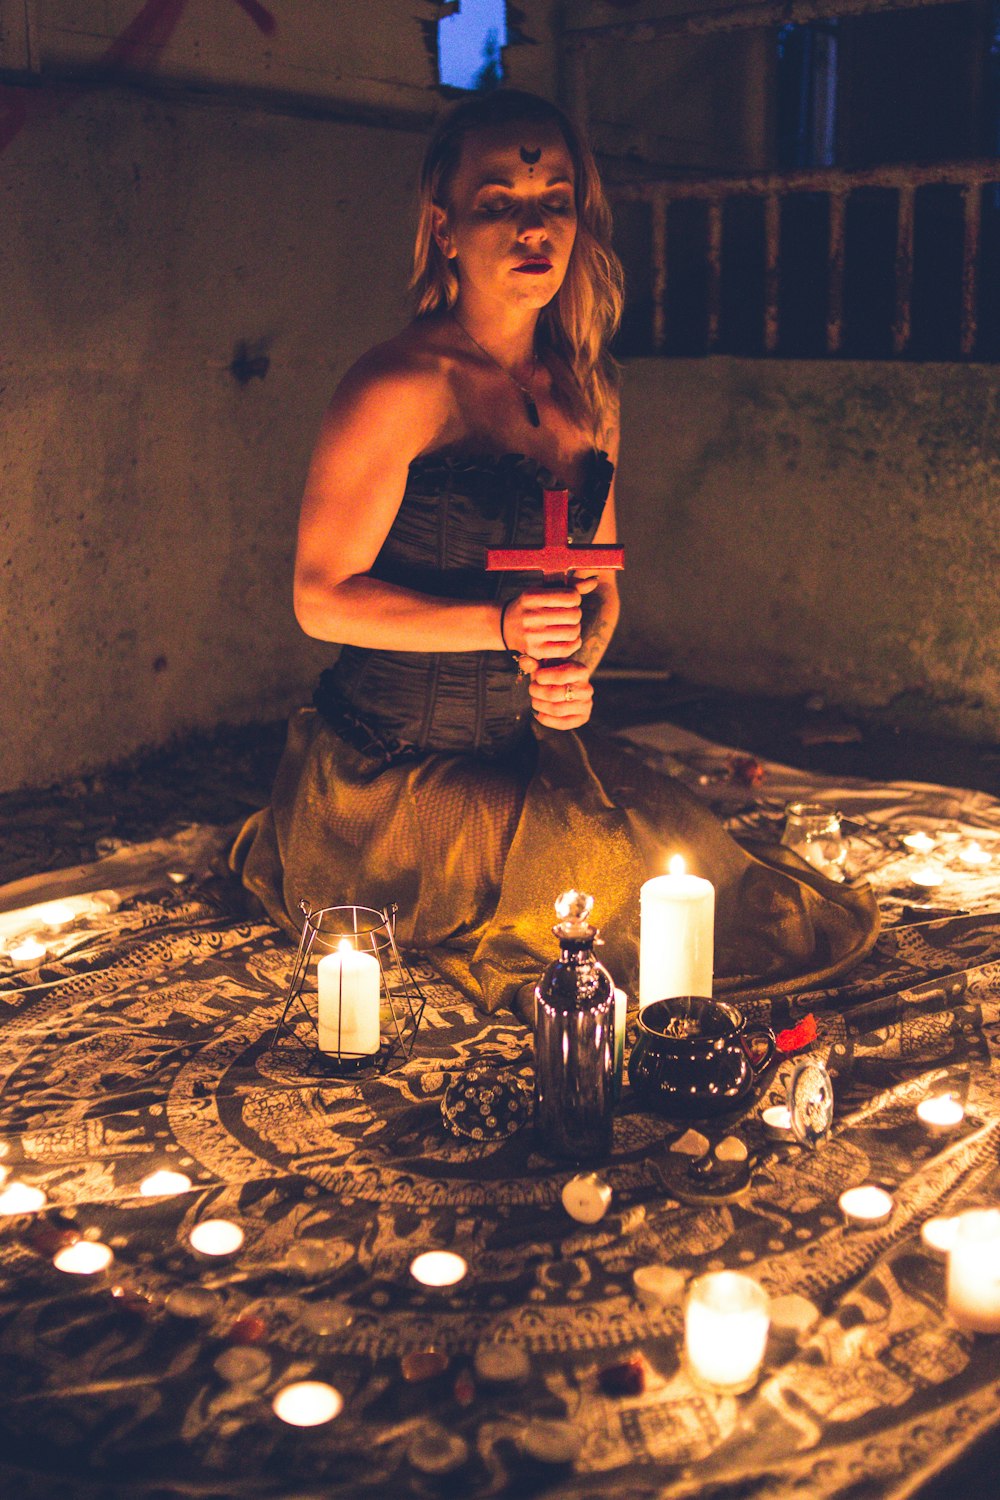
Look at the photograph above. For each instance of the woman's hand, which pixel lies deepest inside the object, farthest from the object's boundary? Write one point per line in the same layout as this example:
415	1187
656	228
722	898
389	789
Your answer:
561	694
545	625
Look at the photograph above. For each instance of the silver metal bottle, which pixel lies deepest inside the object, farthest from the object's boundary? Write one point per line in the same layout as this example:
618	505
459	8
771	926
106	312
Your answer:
575	1042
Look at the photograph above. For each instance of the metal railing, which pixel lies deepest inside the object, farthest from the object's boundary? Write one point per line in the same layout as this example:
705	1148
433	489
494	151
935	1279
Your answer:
837	184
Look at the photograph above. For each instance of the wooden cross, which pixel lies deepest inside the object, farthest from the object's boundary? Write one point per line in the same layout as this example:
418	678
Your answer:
558	554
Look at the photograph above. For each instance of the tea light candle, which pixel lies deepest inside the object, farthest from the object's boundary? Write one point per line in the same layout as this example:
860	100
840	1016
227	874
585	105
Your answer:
84	1258
677	935
57	914
216	1237
940	1113
19	1198
657	1286
164	1184
586	1198
438	1268
307	1403
777	1121
918	843
27	955
975	854
866	1206
725	1330
973	1281
927	876
348	1002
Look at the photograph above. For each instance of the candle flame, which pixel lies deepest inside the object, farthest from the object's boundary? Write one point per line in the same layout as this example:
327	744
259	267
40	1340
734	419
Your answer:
345	946
676	865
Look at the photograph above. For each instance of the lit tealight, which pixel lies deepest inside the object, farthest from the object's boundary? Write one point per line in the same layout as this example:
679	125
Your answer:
865	1205
216	1237
27	955
777	1121
164	1184
84	1258
927	876
939	1234
975	854
918	843
586	1198
438	1268
307	1403
940	1113
19	1198
55	914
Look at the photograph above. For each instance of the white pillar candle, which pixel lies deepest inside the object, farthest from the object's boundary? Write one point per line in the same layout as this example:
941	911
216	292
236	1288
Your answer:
677	935
348	1002
725	1330
973	1287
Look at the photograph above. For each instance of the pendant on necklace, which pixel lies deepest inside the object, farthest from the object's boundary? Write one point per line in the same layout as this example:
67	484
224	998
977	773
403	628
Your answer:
531	410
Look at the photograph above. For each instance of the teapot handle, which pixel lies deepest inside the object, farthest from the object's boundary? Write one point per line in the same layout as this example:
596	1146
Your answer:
759	1045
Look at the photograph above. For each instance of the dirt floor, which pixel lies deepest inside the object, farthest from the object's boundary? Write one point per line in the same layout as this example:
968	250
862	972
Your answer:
220	777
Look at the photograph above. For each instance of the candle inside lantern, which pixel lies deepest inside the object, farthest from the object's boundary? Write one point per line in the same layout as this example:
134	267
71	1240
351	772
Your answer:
677	935
84	1258
867	1205
725	1330
940	1113
307	1403
973	1283
919	842
216	1237
348	1002
19	1198
164	1184
438	1268
27	955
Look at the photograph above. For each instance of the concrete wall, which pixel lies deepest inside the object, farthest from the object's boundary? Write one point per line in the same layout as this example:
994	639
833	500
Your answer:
818	526
147	498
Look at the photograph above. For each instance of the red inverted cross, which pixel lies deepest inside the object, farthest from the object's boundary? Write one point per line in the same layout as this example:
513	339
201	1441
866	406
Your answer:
558	553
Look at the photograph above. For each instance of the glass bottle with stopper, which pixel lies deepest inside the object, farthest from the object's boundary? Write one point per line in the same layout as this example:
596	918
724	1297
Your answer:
574	1041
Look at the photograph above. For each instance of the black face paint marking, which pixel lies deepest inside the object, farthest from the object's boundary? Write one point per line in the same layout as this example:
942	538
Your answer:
530	157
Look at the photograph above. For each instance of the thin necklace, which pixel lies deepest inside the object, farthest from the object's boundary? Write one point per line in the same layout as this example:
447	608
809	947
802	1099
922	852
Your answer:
530	406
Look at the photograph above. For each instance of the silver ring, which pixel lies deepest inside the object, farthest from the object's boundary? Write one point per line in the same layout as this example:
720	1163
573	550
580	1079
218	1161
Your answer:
568	692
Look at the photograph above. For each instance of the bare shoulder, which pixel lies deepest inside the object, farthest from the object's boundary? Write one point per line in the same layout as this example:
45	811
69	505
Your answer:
405	380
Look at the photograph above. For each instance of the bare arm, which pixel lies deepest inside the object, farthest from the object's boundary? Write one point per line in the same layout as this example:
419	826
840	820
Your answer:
382	416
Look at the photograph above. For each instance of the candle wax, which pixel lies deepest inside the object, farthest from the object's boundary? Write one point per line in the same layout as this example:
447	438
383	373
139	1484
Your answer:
348	1003
677	936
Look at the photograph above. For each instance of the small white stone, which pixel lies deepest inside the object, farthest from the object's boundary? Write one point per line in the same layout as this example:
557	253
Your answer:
241	1366
586	1198
731	1149
691	1143
502	1363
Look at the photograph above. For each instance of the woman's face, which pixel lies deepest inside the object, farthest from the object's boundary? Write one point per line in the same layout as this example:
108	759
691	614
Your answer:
511	218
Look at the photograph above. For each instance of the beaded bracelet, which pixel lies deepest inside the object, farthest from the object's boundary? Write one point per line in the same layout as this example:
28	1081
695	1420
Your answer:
514	655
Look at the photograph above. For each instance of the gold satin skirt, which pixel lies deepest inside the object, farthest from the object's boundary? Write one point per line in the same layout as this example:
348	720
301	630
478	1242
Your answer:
475	852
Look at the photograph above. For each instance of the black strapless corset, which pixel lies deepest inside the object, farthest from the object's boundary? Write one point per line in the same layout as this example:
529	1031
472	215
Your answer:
398	703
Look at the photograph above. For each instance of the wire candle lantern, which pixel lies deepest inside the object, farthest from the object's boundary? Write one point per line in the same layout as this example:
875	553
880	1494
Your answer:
364	1008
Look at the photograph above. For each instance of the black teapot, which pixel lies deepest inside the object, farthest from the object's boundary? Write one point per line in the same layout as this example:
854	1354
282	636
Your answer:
696	1057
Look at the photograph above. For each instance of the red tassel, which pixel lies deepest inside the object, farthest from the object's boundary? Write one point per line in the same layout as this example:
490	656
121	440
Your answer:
797	1036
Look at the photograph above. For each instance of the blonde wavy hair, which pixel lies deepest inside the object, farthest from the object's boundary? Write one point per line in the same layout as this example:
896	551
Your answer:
574	329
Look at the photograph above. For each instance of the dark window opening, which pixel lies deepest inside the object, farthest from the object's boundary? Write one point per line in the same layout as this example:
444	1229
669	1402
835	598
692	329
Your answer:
470	45
807	95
